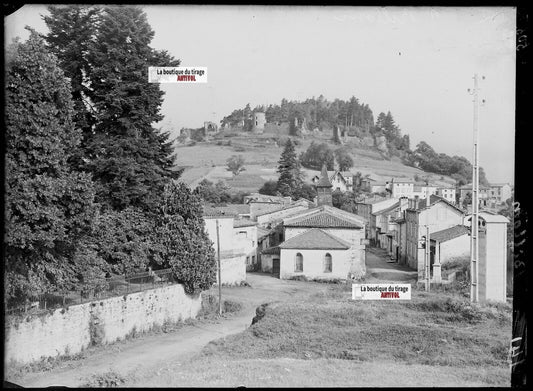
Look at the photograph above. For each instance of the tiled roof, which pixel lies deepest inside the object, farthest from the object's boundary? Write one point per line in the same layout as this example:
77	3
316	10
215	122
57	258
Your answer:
323	219
449	233
228	210
216	213
271	250
315	239
262	232
433	199
279	209
387	210
243	223
490	217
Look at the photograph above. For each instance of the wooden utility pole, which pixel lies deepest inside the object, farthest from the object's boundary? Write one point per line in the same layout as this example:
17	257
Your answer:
427	258
219	279
474	234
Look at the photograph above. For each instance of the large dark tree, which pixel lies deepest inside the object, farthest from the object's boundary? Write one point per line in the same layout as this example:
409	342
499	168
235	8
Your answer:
182	241
72	30
129	159
290	175
49	207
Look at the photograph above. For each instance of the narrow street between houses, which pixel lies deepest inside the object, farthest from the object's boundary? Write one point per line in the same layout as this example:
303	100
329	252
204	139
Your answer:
379	268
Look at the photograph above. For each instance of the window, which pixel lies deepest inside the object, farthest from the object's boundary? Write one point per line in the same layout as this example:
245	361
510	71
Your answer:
299	264
253	259
327	263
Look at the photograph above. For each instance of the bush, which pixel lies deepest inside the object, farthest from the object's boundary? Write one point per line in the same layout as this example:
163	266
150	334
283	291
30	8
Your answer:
181	242
106	380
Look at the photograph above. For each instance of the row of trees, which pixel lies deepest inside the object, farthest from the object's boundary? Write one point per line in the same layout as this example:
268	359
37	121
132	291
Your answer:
458	167
315	112
90	188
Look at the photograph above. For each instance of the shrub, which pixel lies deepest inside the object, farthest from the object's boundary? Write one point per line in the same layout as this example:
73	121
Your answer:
106	380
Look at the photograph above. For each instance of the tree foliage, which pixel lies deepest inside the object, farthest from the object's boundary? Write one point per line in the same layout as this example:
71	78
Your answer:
316	155
235	164
290	175
217	193
269	188
458	167
182	241
344	159
315	112
49	207
128	158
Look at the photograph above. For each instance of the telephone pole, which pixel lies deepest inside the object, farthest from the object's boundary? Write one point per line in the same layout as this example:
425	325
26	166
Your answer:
474	234
219	279
428	258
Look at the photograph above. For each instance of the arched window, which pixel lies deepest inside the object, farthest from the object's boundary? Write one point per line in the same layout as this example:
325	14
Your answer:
327	263
299	264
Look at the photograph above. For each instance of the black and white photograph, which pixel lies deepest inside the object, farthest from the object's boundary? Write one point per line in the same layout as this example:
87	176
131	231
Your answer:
261	196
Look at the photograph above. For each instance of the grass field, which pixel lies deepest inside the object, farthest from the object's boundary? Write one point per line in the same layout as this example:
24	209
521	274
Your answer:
261	154
435	339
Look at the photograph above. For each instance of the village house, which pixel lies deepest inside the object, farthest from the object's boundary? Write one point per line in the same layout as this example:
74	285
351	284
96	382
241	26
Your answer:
322	242
233	251
433	212
366	209
386	228
366	183
500	192
423	190
401	188
484	192
448	193
260	203
378	187
263	242
245	238
271	218
340	180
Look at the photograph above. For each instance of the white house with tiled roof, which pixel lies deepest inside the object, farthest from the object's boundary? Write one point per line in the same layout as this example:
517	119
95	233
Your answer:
433	212
322	242
338	248
315	253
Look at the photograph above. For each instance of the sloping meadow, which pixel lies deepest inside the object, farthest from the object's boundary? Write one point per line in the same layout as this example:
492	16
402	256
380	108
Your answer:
435	328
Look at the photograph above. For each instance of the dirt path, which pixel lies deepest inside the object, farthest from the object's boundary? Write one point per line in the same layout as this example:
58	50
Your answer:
149	353
380	268
146	355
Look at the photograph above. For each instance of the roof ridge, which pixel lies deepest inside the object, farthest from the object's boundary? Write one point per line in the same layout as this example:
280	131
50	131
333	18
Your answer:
318	230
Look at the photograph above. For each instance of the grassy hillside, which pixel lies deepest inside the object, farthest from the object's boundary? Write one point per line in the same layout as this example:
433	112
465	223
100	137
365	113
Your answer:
436	339
261	153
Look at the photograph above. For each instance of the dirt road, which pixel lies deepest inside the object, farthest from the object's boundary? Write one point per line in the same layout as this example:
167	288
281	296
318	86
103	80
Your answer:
380	268
142	357
149	353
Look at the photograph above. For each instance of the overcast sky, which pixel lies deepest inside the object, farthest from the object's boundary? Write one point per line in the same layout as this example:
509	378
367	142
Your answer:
417	62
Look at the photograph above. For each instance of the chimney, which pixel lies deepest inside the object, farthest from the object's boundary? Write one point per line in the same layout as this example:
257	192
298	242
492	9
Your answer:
417	199
404	201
